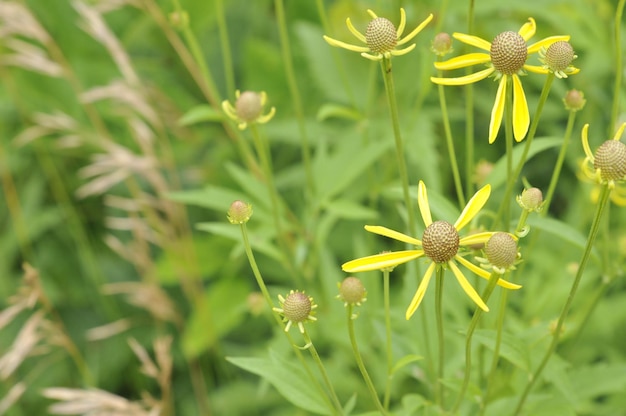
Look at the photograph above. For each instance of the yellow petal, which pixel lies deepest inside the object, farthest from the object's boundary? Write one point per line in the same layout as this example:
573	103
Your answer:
478	238
528	30
355	32
463	61
521	117
387	232
415	31
340	44
536	69
421	290
473	40
498	110
619	132
473	206
485	274
422	202
402	23
371	13
467	288
380	261
467	79
585	141
400	52
535	47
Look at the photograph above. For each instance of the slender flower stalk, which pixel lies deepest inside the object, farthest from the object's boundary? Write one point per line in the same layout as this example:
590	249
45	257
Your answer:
360	363
556	173
439	391
229	73
388	343
556	333
617	42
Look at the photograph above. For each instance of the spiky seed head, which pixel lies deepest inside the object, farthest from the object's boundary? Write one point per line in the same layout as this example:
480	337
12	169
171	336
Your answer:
610	158
442	44
501	250
381	36
508	52
352	291
559	55
440	241
297	307
249	106
239	212
574	100
531	199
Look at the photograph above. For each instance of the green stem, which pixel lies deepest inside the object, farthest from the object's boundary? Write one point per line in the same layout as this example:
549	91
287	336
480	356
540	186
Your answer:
360	364
559	162
295	94
493	280
440	339
451	152
604	196
529	139
388	345
320	365
225	45
266	294
469	114
617	88
496	351
385	66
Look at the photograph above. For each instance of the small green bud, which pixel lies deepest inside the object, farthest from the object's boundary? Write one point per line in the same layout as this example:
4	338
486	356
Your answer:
239	212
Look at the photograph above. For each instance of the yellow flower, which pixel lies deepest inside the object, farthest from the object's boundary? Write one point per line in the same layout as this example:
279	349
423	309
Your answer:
248	108
607	166
381	37
440	243
506	60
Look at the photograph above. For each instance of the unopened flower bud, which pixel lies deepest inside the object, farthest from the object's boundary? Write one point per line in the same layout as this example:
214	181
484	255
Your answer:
574	100
352	291
442	44
239	212
531	199
501	250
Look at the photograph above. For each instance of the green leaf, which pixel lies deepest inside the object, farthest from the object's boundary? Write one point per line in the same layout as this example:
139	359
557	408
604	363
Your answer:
327	111
199	114
233	232
562	230
511	347
498	175
404	361
350	210
289	379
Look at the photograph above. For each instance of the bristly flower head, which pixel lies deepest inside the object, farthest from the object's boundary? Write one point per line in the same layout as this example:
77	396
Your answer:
381	37
558	57
248	108
239	212
608	165
440	243
531	200
574	100
506	61
297	308
501	253
352	291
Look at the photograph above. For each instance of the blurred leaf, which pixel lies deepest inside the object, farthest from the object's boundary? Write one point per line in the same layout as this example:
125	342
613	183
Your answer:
350	210
327	111
199	114
234	233
563	231
597	380
289	379
404	361
511	348
222	309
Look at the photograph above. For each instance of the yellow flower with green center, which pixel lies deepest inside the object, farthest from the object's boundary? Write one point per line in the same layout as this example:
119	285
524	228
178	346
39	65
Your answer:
608	165
506	60
440	243
381	37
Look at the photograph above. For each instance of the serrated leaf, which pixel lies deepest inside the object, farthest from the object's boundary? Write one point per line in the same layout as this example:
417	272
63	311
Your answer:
288	379
199	114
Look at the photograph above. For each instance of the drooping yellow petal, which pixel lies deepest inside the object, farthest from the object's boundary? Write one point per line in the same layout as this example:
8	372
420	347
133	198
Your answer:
528	30
585	140
467	287
360	36
381	261
415	31
463	61
536	69
422	202
467	79
387	232
421	291
473	40
478	238
473	207
402	23
400	52
521	116
371	13
535	47
340	44
498	110
485	274
619	132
